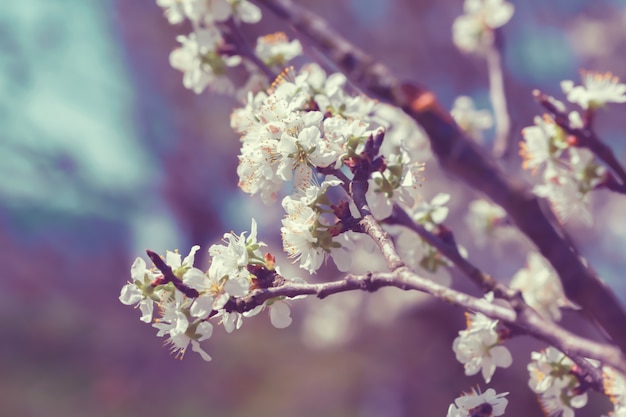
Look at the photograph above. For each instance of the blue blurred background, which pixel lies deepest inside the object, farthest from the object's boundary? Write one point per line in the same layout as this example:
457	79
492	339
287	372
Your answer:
103	154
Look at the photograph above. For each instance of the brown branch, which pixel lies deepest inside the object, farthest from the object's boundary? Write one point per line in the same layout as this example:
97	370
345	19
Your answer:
460	156
528	321
168	276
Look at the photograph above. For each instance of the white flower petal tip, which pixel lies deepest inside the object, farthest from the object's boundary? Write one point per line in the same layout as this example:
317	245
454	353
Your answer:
280	315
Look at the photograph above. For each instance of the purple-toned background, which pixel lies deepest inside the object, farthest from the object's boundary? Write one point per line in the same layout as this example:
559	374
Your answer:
103	154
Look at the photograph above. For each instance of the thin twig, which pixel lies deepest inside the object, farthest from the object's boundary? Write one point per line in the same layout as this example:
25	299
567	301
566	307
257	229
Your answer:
451	252
168	276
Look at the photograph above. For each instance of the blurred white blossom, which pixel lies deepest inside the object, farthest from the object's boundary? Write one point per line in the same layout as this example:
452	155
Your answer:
276	49
596	90
478	347
475	403
201	63
540	287
472	121
473	30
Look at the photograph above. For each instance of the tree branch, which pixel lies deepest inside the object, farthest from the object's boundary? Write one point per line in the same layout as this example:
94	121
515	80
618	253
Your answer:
528	321
460	156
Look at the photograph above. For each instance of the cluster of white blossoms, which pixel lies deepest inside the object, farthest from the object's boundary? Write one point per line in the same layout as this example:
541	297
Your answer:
570	172
306	141
540	287
473	31
556	385
206	55
300	132
189	298
475	404
478	347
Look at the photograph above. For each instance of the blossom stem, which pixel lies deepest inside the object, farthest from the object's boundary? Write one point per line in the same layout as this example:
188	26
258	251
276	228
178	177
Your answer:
501	143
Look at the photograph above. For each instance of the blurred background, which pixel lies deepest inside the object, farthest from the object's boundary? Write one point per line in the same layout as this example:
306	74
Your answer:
103	154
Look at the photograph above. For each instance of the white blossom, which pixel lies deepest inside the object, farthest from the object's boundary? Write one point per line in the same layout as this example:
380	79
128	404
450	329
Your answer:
139	291
179	331
554	384
297	232
301	153
596	90
585	170
179	266
540	287
306	121
399	183
560	401
420	255
472	121
474	29
402	134
546	367
488	223
178	10
245	11
475	403
432	213
563	193
200	62
478	349
229	259
280	314
231	321
276	49
542	144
